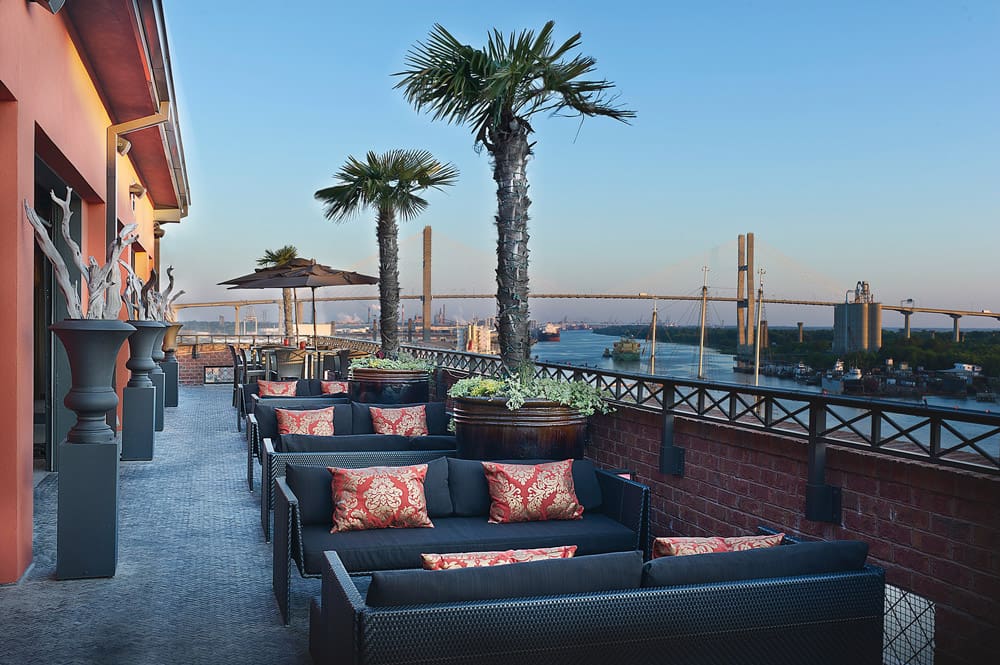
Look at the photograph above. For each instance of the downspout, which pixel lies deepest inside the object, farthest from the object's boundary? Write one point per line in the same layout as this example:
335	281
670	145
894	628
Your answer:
114	131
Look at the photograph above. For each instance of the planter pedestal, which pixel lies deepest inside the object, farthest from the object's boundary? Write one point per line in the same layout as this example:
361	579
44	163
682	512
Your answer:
139	396
540	429
87	527
158	378
169	364
389	386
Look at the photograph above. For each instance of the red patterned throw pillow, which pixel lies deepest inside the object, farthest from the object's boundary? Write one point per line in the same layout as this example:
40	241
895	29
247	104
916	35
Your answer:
683	545
333	387
379	497
743	543
276	388
528	493
408	421
318	422
479	559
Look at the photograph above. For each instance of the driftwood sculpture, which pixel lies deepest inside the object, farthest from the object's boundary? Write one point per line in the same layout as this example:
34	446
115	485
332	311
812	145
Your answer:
166	301
150	296
103	282
133	293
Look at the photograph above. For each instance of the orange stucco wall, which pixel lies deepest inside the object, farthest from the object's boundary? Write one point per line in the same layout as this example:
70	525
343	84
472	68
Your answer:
48	90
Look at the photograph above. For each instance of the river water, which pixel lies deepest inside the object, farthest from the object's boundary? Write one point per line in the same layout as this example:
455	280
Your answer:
586	348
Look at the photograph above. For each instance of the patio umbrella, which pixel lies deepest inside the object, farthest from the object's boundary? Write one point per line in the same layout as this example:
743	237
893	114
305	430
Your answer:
307	274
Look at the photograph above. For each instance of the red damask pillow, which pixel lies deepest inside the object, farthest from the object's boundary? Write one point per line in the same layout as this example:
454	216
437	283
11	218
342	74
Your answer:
683	545
742	543
479	559
528	493
379	497
333	387
318	422
276	388
408	421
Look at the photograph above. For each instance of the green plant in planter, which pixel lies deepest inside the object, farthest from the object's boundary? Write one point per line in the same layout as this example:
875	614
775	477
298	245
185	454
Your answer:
577	395
403	361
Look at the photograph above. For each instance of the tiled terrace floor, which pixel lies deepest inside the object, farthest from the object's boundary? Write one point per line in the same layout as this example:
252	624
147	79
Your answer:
193	583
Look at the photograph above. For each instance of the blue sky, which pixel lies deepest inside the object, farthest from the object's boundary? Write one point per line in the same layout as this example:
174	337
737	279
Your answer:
857	140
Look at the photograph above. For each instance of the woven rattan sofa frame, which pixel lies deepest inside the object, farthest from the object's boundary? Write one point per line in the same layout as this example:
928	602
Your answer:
816	619
624	500
273	465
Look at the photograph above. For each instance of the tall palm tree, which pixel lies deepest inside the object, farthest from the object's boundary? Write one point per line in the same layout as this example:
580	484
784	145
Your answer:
496	89
274	258
390	183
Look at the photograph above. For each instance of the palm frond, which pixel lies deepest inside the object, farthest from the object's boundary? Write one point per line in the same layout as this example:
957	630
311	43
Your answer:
277	257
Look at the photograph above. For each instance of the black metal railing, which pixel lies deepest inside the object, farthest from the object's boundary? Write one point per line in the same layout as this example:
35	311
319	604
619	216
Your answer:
954	437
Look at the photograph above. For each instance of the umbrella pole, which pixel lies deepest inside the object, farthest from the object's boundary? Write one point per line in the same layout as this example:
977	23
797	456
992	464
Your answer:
315	345
295	313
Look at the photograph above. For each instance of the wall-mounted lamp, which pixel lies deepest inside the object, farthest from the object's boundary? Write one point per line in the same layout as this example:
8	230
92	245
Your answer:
52	5
123	146
135	190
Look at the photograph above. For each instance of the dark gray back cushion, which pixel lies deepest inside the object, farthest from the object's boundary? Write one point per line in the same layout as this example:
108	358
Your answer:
812	558
470	492
313	487
437	419
584	574
305	443
267	422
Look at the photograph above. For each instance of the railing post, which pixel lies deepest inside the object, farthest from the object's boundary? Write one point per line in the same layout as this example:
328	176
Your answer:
822	500
671	456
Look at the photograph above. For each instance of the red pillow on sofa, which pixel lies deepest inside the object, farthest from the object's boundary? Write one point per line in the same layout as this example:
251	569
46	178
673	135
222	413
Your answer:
685	545
333	387
480	559
532	492
406	421
276	388
317	422
379	497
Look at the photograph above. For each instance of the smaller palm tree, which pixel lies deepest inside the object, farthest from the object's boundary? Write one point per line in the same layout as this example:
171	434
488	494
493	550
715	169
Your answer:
274	258
390	183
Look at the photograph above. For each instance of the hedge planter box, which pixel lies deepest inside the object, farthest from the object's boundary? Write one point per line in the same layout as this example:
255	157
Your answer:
389	386
486	429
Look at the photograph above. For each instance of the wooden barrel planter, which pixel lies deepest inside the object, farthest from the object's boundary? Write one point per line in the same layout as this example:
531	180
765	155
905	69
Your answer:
486	429
389	386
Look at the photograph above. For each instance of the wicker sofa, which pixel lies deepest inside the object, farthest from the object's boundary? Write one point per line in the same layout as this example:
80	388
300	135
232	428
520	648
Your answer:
813	603
353	433
248	394
616	518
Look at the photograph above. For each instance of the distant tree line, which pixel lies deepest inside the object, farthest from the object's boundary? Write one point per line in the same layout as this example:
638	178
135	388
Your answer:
931	350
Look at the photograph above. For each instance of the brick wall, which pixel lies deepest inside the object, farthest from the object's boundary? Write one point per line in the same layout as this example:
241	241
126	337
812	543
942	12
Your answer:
192	370
935	530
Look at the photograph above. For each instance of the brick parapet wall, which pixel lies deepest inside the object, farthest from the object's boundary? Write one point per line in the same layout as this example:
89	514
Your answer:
192	369
935	530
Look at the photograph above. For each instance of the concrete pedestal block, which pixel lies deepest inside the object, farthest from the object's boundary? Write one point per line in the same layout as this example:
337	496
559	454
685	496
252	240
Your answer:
170	371
159	381
87	530
138	421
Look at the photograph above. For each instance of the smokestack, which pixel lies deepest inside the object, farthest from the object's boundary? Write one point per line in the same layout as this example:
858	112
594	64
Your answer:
799	324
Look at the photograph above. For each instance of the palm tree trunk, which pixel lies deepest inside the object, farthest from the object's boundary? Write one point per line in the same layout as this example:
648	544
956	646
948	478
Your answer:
510	152
387	233
286	301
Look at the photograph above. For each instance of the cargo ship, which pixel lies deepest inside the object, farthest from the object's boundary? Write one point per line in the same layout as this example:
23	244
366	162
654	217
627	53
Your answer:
549	333
625	348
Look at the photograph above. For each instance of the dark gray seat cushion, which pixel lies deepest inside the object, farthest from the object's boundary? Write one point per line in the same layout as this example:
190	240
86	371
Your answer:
470	492
312	486
587	574
813	558
437	418
305	443
267	422
429	442
389	549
